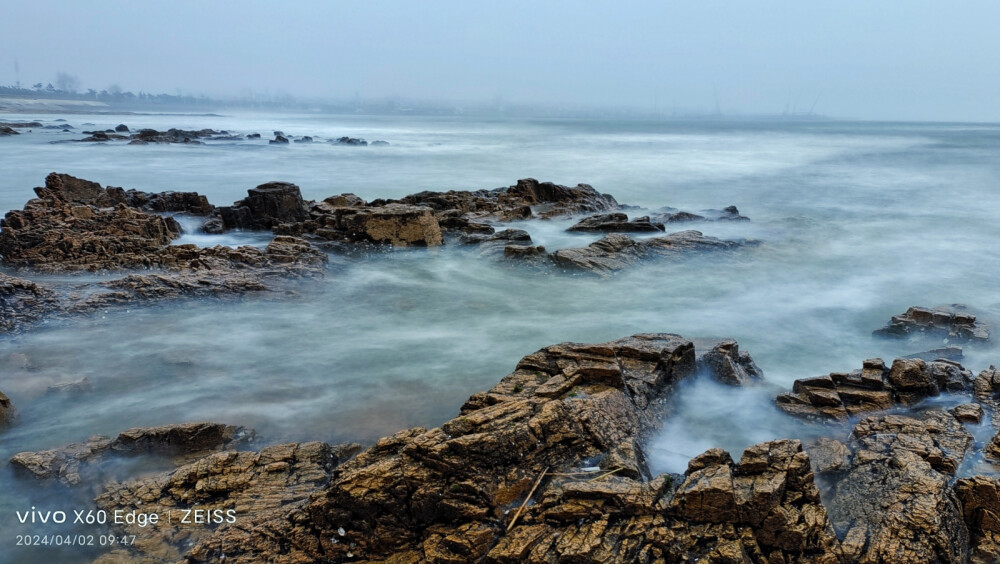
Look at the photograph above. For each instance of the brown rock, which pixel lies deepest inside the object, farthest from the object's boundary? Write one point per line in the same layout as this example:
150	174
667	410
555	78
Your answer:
729	366
952	323
980	500
78	463
968	413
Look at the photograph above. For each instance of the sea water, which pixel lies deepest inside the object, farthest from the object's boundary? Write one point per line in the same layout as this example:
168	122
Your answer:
857	222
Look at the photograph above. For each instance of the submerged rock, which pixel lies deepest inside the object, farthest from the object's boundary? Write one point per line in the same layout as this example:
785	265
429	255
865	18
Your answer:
616	252
78	463
951	323
674	216
350	141
873	388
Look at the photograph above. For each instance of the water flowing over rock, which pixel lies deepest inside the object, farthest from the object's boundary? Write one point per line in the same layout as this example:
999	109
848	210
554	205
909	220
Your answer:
873	388
616	251
952	324
77	463
461	492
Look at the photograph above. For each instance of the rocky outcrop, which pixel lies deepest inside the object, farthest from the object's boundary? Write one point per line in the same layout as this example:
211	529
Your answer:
159	202
225	487
5	130
67	228
616	223
875	387
616	252
265	207
447	491
398	225
524	200
894	503
952	324
7	411
79	462
980	500
349	141
512	479
728	365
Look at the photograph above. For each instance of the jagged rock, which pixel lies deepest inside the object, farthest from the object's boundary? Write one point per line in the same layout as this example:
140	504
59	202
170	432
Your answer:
980	501
873	388
23	303
616	223
616	252
265	207
184	202
279	140
728	365
953	324
525	252
444	491
78	463
230	486
895	504
67	228
7	411
456	209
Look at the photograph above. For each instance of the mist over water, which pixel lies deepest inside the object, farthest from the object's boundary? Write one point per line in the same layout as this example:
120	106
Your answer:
857	222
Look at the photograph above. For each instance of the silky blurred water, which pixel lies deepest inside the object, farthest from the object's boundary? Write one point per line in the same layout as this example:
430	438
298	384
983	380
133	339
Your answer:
858	221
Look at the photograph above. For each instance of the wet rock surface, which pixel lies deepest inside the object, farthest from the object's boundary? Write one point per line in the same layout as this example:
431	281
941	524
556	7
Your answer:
24	303
79	462
952	324
455	493
875	387
616	223
617	252
895	503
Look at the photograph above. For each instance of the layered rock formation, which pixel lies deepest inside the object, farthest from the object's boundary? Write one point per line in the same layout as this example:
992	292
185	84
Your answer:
951	323
875	387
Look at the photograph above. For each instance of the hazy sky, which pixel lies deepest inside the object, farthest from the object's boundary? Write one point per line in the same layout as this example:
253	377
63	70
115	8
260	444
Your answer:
888	59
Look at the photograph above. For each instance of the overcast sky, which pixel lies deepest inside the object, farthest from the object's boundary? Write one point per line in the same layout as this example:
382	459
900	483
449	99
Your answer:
889	59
